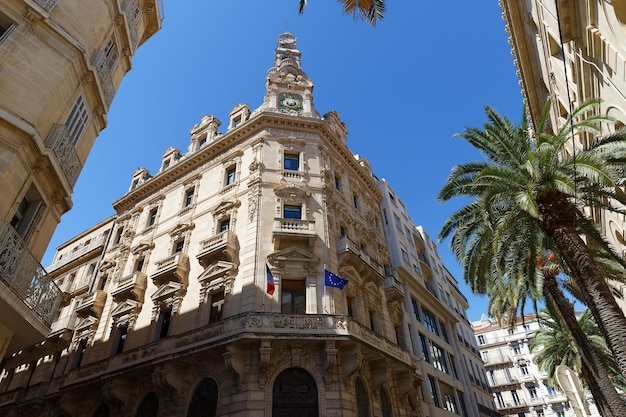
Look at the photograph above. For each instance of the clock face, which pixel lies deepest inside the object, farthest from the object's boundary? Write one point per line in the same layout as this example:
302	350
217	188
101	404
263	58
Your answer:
290	103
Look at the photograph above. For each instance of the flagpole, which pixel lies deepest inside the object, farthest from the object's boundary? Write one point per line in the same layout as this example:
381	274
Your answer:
324	300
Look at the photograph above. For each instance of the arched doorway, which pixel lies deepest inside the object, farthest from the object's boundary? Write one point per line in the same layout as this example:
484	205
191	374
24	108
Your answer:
362	399
149	406
204	400
295	394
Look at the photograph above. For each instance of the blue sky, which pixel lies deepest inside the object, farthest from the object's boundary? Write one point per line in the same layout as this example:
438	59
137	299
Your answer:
403	88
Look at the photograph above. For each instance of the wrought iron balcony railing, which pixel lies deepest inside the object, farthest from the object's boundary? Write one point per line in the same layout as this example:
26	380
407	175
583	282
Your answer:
60	142
48	5
23	274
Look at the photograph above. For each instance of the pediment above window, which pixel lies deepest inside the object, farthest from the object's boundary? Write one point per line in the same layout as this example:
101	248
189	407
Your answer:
224	207
216	271
142	247
293	255
181	228
168	290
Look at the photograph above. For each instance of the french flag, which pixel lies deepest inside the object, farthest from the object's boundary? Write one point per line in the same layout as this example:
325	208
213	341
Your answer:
270	280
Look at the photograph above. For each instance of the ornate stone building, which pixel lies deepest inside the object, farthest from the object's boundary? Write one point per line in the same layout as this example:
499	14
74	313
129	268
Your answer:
61	63
569	52
250	276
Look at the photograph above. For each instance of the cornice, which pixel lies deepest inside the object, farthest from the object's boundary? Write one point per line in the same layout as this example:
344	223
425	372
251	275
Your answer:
246	131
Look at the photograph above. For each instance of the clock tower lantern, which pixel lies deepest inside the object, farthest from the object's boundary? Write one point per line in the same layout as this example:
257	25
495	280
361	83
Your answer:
289	90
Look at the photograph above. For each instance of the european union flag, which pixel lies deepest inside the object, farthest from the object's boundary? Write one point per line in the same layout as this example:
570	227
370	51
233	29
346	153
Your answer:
334	280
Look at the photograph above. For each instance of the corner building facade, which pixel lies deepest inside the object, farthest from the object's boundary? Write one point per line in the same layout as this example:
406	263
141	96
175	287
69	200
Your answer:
61	63
206	293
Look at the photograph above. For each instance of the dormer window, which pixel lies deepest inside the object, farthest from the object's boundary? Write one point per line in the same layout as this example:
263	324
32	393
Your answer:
236	121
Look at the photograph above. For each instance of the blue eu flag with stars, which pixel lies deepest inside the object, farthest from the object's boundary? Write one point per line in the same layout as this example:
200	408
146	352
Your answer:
334	280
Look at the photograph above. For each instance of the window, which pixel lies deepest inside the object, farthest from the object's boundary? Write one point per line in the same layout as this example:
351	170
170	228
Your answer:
349	301
291	161
91	270
450	402
217	304
430	321
338	182
204	400
110	55
405	254
396	220
189	194
179	245
6	26
532	391
362	400
342	232
416	313
499	400
118	236
80	353
103	283
295	393
515	397
139	264
523	369
355	199
224	225
292	212
424	346
517	349
27	213
293	298
444	333
120	339
439	358
163	323
432	386
231	175
481	339
77	119
152	216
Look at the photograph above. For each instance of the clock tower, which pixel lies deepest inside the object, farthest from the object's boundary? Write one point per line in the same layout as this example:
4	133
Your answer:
289	90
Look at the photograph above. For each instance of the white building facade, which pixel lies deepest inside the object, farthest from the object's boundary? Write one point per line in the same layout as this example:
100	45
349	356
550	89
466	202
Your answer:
519	388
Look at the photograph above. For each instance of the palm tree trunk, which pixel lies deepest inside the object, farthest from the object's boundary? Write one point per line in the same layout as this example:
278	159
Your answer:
559	223
609	401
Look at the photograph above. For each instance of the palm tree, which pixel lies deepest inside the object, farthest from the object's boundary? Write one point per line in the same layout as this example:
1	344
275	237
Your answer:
372	11
505	260
555	347
529	182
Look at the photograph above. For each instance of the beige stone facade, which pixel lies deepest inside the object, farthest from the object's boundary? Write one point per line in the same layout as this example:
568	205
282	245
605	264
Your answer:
208	289
433	324
60	65
569	52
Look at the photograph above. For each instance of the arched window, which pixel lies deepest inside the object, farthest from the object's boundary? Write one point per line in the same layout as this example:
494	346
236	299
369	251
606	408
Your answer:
204	400
362	399
385	403
102	411
149	406
295	394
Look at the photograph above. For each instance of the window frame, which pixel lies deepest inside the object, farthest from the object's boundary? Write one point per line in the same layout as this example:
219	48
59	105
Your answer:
291	209
77	119
294	288
290	158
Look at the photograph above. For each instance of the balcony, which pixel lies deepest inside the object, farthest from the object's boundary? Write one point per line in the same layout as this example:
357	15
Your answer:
94	245
173	268
104	76
221	247
25	277
425	265
497	360
293	230
48	5
62	326
351	253
512	405
393	289
60	142
503	382
132	287
91	304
